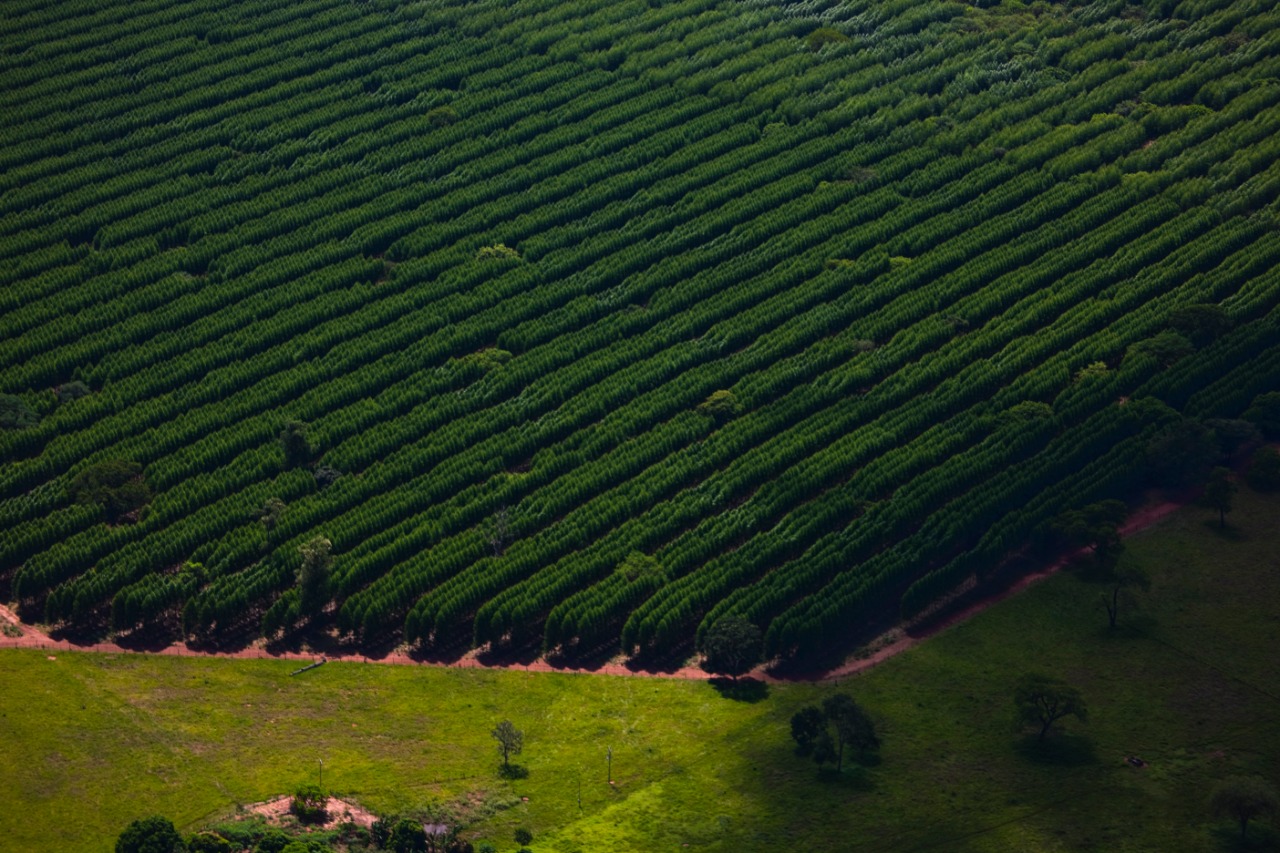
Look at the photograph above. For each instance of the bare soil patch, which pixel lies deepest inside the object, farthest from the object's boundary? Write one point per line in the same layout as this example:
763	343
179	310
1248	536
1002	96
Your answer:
338	811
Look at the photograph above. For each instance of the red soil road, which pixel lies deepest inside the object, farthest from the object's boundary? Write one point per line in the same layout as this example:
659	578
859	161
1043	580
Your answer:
1140	519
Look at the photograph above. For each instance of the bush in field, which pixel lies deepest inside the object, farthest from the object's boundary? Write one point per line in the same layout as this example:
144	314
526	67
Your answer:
150	835
309	803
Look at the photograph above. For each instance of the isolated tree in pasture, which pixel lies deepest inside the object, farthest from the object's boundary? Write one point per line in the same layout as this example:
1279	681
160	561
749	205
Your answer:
825	732
1243	798
510	741
1042	700
807	727
732	646
1218	494
852	726
1123	579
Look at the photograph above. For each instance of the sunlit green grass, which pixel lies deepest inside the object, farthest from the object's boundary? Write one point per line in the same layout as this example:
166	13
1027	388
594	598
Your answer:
1189	683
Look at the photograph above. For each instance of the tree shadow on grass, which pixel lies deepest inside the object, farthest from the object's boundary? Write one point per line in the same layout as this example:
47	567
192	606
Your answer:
743	690
1057	750
1259	839
1231	533
854	777
513	771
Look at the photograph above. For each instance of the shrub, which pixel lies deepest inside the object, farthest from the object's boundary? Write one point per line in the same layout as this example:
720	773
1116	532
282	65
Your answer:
208	842
309	803
150	835
523	836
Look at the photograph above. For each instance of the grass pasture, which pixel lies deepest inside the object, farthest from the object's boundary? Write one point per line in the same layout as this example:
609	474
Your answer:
90	742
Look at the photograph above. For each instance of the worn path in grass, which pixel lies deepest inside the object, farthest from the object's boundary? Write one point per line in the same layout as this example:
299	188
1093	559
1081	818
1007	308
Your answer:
1142	518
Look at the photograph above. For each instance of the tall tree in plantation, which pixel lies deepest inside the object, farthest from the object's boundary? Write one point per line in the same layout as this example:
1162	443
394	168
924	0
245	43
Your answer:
313	575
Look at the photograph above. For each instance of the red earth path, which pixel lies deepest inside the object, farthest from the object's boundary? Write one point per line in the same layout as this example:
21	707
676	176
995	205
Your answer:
899	642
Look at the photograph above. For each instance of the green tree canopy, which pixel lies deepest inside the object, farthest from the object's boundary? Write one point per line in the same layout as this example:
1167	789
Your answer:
1043	700
295	444
16	414
313	574
732	646
116	485
1264	470
1218	493
1243	798
510	740
150	835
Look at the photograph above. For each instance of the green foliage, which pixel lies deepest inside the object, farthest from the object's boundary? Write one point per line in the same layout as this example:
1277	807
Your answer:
1181	454
69	392
208	842
731	646
1199	323
510	740
15	413
523	836
487	359
309	803
1265	412
1041	700
407	837
274	841
720	405
1166	349
271	512
1027	410
442	116
1219	492
807	726
116	485
497	252
150	835
1244	798
823	36
638	566
295	444
313	574
1093	370
1263	473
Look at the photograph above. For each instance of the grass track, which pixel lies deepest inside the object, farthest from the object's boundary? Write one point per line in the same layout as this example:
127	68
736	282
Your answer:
89	742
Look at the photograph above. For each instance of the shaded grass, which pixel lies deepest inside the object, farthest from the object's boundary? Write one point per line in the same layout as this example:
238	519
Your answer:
1189	683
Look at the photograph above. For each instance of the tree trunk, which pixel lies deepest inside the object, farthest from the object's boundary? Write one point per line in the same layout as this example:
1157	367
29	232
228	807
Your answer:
1222	519
1113	606
840	757
1044	730
1244	824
